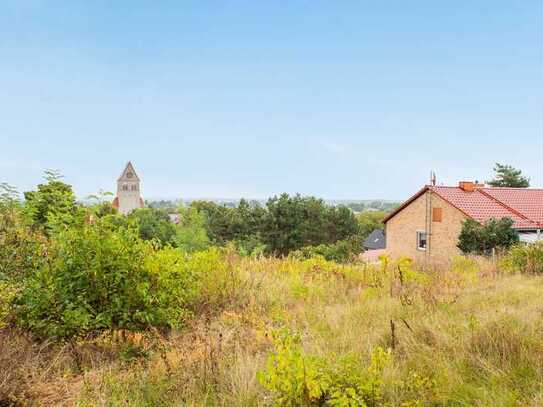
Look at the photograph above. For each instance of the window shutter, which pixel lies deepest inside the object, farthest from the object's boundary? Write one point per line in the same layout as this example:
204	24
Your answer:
437	214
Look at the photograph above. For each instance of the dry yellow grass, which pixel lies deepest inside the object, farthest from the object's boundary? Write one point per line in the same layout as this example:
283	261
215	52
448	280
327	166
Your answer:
476	334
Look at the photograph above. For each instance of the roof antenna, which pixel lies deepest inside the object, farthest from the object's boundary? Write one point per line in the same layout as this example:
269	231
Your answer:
432	178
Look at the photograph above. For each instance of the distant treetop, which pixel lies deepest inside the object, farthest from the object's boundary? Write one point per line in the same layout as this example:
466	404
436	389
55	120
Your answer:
508	176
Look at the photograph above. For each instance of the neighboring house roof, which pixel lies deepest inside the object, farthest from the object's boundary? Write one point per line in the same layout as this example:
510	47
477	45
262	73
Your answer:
523	205
376	240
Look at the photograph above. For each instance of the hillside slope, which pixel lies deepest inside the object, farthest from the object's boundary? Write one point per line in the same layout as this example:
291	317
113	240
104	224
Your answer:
307	332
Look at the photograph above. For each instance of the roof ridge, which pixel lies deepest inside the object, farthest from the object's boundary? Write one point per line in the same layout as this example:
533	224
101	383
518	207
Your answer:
485	187
514	188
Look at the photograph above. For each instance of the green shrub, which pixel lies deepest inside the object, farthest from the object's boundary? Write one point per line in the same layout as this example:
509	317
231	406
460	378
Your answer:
7	294
525	258
355	383
220	281
52	205
21	247
250	246
154	224
98	278
342	251
484	238
190	233
295	379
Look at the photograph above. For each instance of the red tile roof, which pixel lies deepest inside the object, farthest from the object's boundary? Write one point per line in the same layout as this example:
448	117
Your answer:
528	202
523	205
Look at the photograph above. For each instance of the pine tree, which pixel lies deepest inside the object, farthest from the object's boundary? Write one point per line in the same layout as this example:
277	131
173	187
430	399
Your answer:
508	176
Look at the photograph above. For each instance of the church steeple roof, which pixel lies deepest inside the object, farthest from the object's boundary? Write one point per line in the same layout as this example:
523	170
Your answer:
129	173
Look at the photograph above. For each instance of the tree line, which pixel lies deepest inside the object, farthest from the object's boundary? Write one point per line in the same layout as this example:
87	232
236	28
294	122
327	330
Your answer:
284	225
69	270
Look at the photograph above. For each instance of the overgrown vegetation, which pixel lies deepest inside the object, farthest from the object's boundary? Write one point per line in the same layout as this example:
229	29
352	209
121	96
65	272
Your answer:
524	258
309	332
95	312
96	278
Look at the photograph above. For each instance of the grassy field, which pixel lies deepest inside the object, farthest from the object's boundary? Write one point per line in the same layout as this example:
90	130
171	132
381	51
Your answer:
293	332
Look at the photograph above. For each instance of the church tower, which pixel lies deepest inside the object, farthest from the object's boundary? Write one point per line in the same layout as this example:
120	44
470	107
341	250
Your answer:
128	191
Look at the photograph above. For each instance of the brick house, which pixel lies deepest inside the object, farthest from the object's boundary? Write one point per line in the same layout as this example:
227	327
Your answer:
427	225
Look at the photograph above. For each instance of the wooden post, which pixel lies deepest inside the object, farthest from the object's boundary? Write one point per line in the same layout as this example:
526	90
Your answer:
392	334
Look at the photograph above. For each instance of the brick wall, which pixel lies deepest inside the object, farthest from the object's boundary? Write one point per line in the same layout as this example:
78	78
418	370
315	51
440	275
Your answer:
402	229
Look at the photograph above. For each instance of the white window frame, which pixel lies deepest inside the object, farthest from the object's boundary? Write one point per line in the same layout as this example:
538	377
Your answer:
419	234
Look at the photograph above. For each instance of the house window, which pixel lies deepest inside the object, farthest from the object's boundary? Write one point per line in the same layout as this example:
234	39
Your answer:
125	187
422	240
134	187
437	214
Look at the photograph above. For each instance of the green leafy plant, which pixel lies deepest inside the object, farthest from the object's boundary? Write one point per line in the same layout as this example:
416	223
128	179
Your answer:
479	238
7	294
154	224
342	251
294	378
52	204
98	278
524	258
190	233
21	247
357	384
416	389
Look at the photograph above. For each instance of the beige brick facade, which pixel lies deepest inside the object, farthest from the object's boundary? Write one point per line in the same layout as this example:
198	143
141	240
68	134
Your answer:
401	230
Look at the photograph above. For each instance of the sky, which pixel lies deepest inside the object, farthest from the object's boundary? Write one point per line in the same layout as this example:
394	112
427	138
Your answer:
209	99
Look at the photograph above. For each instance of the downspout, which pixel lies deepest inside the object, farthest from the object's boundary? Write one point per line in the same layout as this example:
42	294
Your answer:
429	237
428	225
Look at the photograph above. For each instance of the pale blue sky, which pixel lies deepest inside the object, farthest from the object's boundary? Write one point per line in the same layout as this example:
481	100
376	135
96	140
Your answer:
337	99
